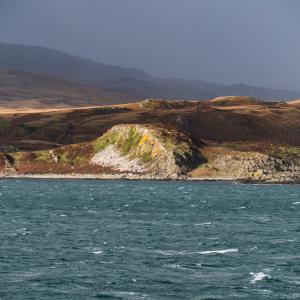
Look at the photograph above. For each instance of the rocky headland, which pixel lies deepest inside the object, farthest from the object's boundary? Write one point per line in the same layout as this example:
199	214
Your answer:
228	138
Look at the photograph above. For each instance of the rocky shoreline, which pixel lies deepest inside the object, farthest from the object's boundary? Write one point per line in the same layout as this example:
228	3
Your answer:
252	167
131	176
144	152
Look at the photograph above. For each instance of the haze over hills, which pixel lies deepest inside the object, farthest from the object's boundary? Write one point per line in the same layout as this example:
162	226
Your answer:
71	80
55	63
21	88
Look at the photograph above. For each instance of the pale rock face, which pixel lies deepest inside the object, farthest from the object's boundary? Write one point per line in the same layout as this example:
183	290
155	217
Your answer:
112	158
148	150
162	154
254	166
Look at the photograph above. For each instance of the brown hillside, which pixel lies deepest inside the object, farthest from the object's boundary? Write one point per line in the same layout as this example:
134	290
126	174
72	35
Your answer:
19	89
253	125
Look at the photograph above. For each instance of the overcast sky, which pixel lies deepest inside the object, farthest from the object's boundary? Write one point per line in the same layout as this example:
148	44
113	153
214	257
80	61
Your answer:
228	41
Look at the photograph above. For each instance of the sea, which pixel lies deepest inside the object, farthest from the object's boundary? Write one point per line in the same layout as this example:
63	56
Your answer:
93	239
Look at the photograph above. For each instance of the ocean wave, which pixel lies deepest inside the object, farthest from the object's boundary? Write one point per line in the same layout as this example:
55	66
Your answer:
241	207
232	250
97	251
171	252
175	253
203	224
122	295
259	276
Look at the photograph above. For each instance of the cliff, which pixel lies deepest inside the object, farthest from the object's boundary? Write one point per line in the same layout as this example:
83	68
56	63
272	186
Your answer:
134	150
140	151
251	166
146	149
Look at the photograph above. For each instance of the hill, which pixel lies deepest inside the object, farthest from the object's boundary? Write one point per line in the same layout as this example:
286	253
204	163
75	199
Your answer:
148	151
244	139
58	64
134	83
23	89
254	121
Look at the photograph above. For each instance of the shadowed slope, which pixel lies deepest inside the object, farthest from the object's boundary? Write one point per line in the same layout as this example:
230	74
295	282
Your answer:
134	83
22	89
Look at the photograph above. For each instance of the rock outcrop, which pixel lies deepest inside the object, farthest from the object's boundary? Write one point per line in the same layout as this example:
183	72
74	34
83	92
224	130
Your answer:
142	149
6	164
251	167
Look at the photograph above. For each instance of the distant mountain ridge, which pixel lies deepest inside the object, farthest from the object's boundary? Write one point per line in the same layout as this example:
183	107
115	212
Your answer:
20	88
59	64
91	81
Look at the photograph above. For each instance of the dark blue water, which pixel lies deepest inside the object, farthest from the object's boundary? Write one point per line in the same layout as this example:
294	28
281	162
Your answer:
64	239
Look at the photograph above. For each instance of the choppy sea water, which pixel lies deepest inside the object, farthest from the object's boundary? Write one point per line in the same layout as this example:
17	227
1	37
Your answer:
85	239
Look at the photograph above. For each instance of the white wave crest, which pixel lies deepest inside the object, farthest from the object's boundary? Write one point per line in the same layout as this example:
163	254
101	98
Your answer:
97	251
233	250
259	276
203	224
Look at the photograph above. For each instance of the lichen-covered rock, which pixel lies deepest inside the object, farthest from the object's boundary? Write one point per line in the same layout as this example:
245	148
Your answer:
146	149
251	166
6	164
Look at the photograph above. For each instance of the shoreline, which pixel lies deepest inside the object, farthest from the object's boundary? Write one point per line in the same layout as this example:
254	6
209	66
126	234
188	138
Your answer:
135	177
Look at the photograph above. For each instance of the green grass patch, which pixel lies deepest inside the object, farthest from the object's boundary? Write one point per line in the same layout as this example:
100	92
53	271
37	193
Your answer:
285	152
80	160
105	140
130	142
4	124
145	157
63	158
43	155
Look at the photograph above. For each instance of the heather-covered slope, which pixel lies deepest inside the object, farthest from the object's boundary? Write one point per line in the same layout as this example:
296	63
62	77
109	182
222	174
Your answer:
232	138
260	123
138	151
148	152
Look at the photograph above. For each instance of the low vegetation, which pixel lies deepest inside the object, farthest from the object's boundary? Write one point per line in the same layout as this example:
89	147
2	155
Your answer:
235	100
158	104
162	135
4	124
144	141
285	152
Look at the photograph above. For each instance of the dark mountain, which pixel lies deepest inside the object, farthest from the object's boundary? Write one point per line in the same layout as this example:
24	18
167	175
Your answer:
62	65
193	89
20	88
99	81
